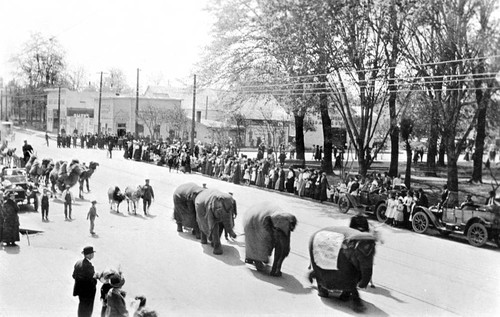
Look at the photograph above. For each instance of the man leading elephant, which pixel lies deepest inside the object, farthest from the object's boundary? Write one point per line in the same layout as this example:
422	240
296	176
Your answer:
184	209
214	209
267	227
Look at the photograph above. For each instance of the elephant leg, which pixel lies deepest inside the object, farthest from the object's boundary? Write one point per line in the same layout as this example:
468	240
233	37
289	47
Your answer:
356	302
322	292
196	231
216	239
203	238
179	227
276	269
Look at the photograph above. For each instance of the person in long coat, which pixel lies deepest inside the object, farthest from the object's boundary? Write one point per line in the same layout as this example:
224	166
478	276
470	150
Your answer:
290	180
323	184
10	220
237	173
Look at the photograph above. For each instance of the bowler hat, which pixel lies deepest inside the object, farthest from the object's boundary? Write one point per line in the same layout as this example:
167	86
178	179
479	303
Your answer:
88	250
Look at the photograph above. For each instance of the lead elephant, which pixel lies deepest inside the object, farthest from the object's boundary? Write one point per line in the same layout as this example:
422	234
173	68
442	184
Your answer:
213	210
267	227
342	260
184	209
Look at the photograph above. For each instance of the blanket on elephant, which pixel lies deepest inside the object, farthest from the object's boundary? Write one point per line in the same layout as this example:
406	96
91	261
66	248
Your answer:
258	239
206	204
184	209
258	236
327	243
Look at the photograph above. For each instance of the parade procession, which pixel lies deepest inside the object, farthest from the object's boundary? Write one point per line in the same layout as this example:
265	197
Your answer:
250	158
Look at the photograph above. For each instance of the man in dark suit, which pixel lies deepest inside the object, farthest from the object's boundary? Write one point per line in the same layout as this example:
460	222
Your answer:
85	283
147	196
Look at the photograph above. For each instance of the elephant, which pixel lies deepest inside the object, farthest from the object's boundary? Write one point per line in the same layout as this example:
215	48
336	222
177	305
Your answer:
215	211
342	260
267	227
184	209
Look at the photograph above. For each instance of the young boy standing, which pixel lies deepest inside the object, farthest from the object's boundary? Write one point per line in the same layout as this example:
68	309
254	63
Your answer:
45	205
91	216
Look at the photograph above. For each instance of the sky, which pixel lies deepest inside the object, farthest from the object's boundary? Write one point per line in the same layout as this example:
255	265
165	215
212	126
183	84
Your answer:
163	38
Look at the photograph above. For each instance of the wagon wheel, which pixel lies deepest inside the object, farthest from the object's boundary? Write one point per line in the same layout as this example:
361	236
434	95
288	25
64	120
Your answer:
381	213
344	204
420	222
477	234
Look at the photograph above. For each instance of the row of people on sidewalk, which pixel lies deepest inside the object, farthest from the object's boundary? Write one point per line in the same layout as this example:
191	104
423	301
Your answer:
113	297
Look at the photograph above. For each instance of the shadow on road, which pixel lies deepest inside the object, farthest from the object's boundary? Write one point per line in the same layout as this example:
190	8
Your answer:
345	306
287	282
117	214
382	291
231	256
12	249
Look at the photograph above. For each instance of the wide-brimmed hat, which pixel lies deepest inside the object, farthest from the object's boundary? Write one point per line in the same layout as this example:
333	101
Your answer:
94	201
116	280
88	250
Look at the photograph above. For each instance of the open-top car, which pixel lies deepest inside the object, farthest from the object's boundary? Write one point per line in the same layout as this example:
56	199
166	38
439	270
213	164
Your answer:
479	223
374	202
17	181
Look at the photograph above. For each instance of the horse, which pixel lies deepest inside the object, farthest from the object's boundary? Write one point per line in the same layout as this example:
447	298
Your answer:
115	198
85	176
133	195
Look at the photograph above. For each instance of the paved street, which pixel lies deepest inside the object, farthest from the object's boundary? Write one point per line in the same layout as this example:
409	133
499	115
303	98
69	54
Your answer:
415	275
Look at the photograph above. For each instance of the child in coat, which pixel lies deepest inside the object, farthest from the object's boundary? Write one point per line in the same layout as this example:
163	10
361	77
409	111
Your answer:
92	215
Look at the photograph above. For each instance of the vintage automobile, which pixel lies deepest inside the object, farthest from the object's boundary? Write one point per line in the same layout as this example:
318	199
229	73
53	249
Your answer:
479	223
17	180
374	202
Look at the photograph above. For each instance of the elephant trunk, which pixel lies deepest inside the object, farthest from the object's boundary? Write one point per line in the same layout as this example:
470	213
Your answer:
366	276
228	226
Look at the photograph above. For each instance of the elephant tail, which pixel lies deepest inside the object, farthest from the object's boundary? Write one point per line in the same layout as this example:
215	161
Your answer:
311	276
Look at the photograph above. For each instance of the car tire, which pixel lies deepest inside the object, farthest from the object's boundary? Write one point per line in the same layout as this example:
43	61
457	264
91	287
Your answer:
477	235
420	222
380	212
344	204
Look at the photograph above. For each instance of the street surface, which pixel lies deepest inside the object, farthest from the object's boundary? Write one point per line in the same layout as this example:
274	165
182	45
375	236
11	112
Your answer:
415	275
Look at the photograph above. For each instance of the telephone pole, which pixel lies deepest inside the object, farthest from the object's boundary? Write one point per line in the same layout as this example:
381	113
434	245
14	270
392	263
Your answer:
137	107
193	122
59	111
99	110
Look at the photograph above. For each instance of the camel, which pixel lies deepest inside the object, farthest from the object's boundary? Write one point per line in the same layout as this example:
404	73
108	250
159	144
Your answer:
133	195
65	174
85	176
115	196
38	169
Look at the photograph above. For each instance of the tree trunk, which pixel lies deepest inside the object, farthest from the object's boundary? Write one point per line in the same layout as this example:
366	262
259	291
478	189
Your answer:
395	40
477	171
327	133
408	165
452	171
434	135
299	138
393	167
362	163
442	152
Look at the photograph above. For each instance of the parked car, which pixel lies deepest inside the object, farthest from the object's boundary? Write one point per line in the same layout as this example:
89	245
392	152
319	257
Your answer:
374	202
17	180
479	223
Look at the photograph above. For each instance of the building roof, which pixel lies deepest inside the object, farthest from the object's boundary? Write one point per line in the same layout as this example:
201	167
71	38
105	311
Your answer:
157	91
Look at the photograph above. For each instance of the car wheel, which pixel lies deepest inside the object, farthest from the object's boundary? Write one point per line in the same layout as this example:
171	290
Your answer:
477	234
420	222
344	204
381	213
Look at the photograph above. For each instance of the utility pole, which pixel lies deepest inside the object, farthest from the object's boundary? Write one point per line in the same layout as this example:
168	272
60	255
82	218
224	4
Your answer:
206	109
193	122
99	110
137	107
59	111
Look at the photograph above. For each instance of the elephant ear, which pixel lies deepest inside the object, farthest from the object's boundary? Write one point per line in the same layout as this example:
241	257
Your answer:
284	222
268	223
366	247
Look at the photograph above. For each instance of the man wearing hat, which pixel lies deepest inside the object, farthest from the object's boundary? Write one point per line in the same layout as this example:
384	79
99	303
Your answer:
147	196
68	200
27	151
85	282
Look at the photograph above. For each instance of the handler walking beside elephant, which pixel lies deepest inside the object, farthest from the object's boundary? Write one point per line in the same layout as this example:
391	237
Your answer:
267	227
184	208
